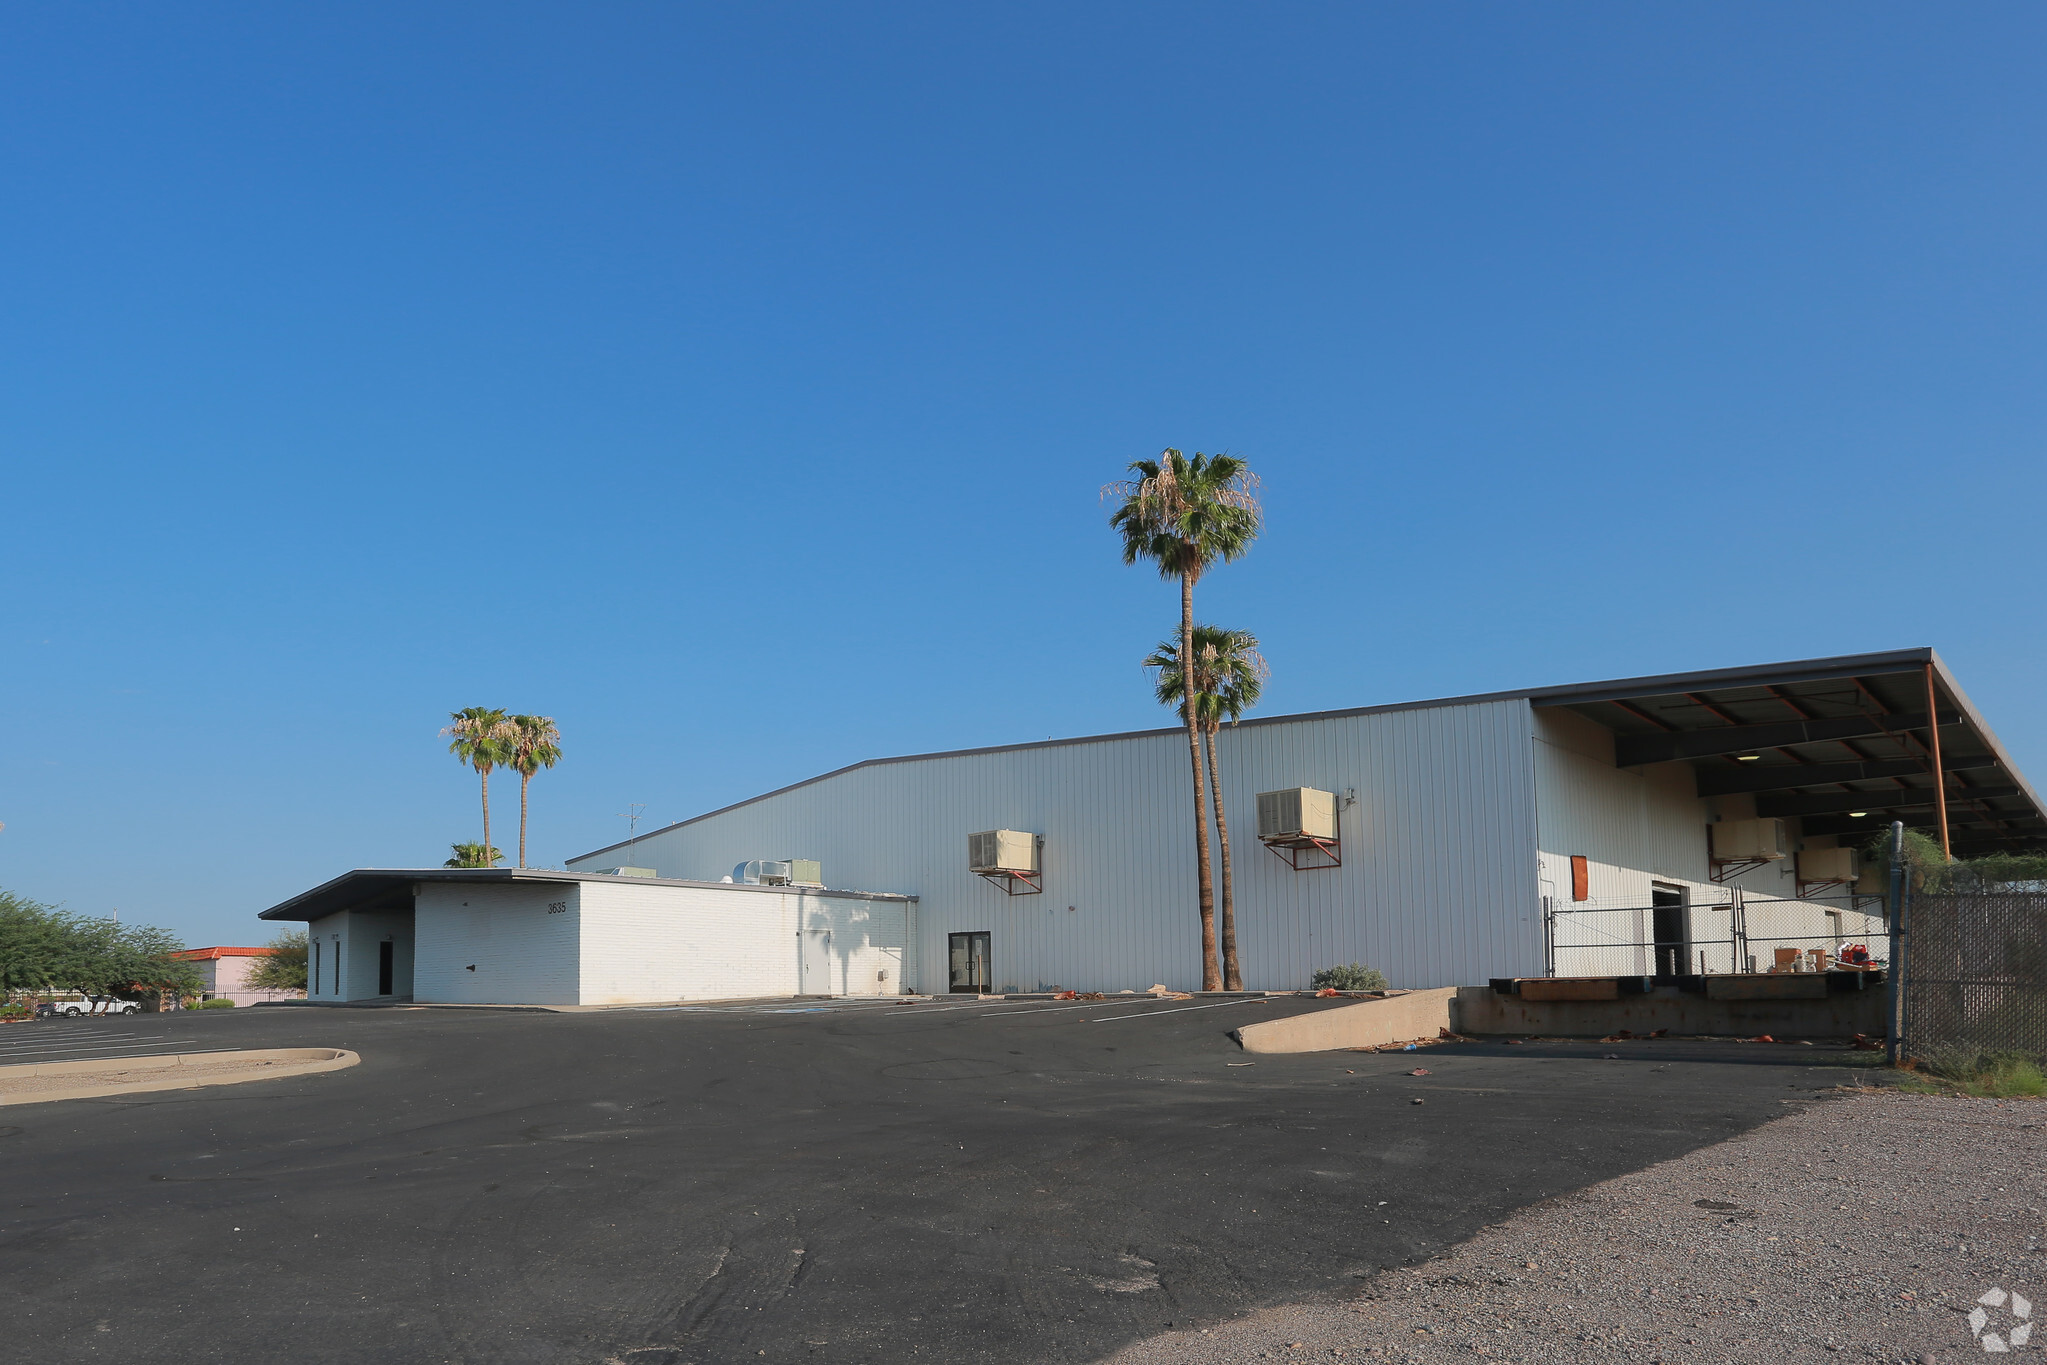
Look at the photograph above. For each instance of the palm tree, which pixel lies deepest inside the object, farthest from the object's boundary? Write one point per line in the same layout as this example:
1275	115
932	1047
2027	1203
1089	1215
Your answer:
482	743
1183	515
1229	673
535	744
474	855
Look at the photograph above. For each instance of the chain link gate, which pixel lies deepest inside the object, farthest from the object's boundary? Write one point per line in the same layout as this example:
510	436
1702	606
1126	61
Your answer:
1975	976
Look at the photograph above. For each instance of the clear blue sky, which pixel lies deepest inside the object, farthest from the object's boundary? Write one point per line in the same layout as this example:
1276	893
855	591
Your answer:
735	383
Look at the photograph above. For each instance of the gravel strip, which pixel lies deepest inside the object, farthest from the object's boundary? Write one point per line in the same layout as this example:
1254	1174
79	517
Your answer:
18	1085
1863	1227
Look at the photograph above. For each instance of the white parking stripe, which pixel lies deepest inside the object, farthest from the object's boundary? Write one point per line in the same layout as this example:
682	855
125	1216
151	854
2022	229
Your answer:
1147	1014
43	1047
1038	1007
93	1047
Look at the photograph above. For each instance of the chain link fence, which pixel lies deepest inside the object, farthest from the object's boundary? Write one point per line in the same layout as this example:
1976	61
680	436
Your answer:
1976	973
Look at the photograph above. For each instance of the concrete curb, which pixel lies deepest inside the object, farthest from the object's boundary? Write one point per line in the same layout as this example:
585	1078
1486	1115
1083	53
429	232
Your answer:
291	1061
1369	1023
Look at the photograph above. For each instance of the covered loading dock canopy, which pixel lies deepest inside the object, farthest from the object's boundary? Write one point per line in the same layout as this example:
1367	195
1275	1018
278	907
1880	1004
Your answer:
1846	745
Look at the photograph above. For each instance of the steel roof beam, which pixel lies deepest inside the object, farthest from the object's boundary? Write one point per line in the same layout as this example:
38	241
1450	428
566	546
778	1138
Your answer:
1829	803
1634	750
1720	780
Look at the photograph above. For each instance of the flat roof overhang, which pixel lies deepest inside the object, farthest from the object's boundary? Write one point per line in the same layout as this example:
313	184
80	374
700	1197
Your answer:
1845	745
390	888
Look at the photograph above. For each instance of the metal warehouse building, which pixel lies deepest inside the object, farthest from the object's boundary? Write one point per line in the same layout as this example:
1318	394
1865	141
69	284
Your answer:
1444	842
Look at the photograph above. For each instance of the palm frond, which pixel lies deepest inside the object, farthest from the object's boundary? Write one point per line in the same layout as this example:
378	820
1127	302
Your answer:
1229	674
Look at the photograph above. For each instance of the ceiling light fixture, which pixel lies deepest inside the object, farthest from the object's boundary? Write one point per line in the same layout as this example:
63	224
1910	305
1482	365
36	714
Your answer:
1746	758
1857	814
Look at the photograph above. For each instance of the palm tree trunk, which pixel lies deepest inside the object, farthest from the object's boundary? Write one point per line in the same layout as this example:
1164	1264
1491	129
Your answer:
524	778
1211	977
1233	977
486	816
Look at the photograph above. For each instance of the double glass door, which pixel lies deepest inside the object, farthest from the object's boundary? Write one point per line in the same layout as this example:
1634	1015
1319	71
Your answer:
970	973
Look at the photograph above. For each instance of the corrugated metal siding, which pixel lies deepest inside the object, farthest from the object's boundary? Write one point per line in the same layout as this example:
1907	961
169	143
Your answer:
523	953
1437	886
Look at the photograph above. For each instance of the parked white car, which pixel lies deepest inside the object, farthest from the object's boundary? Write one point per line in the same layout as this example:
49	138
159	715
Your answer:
71	1006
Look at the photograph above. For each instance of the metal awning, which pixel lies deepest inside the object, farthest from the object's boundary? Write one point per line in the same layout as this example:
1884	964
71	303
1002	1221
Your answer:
1846	745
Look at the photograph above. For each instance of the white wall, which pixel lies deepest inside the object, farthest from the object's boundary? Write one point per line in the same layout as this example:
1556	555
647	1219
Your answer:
655	942
330	932
869	944
353	937
1437	888
523	940
684	943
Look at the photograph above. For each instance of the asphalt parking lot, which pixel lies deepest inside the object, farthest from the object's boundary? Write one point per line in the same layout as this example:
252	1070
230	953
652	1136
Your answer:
801	1182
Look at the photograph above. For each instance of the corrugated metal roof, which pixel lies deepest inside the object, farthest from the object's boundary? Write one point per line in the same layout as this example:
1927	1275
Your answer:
1581	696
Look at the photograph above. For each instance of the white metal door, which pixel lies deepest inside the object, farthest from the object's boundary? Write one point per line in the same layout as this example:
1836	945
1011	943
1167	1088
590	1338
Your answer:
817	976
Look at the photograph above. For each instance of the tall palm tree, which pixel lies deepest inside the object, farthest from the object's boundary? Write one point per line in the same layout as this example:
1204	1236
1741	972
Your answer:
1183	514
481	742
535	744
1228	675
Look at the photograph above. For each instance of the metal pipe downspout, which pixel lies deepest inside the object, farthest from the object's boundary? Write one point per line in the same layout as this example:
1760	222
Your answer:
1939	774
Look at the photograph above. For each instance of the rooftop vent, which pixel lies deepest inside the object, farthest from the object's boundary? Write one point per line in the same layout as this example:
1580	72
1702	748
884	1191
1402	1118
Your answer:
627	872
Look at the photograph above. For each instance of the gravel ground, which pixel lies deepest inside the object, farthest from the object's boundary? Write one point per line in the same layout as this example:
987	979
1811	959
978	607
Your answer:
16	1085
1861	1227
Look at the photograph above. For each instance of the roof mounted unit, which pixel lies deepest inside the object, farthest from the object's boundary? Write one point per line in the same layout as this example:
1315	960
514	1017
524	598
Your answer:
1297	822
1007	858
761	872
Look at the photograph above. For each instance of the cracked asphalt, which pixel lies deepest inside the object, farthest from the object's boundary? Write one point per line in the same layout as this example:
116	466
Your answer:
841	1182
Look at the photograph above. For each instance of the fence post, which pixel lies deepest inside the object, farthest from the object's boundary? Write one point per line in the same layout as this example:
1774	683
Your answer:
1894	1003
1737	930
1549	936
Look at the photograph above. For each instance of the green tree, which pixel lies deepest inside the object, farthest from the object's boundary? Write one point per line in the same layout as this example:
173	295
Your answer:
34	940
535	743
1183	514
285	968
482	740
44	948
1228	675
474	855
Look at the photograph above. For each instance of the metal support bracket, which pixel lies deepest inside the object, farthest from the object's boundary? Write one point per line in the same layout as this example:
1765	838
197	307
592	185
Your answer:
1032	882
1291	851
1724	868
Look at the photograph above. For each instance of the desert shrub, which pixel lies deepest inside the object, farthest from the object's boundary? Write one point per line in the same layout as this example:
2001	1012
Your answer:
1997	1075
15	1011
222	1003
1350	977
